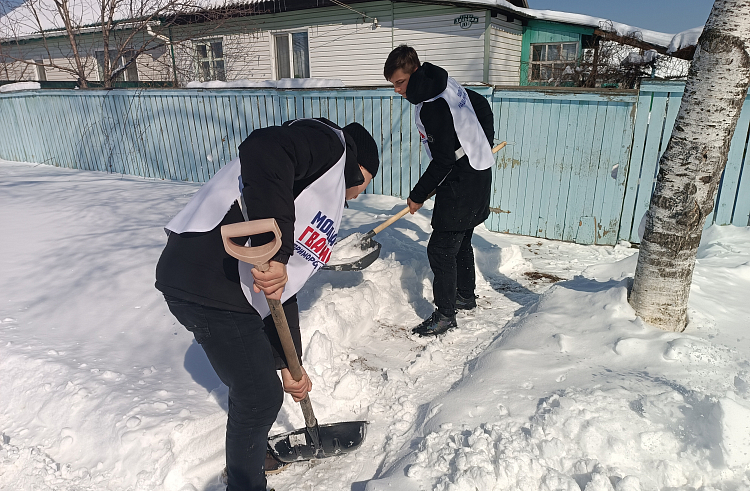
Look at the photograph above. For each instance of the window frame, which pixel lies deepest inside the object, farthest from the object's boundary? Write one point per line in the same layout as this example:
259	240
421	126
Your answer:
215	72
41	71
290	47
126	75
536	67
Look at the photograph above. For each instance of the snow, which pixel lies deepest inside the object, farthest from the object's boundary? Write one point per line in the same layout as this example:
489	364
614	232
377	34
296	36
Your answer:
308	83
18	86
685	39
234	84
284	83
635	58
350	249
542	387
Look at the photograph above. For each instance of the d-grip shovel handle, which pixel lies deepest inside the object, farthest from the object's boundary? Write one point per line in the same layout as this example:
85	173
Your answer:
259	257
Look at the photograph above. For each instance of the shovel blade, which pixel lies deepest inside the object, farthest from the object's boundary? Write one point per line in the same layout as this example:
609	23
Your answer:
335	439
373	252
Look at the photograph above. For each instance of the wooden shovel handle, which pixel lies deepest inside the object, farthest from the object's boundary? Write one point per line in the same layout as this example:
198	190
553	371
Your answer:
499	147
260	256
292	362
403	212
290	353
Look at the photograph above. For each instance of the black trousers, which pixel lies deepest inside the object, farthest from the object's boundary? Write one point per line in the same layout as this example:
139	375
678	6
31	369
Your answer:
452	261
240	353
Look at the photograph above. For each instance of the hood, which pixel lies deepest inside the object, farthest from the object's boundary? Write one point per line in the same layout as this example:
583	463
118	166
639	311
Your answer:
427	82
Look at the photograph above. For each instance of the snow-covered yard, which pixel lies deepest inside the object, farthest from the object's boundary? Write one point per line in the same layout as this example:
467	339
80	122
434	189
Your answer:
546	386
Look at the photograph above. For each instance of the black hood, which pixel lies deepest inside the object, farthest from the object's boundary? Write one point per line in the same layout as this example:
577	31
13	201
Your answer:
427	82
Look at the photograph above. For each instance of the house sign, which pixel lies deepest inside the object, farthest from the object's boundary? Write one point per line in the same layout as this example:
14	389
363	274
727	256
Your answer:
466	20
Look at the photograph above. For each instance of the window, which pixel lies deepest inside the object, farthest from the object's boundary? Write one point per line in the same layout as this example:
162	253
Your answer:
41	72
210	60
127	74
548	61
298	64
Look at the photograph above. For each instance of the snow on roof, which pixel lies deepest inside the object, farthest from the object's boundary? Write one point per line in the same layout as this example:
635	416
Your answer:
87	12
32	17
685	39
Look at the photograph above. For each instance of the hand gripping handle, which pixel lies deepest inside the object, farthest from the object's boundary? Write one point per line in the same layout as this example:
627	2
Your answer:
259	257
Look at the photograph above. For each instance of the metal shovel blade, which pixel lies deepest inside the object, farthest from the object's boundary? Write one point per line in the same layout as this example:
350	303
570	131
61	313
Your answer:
335	439
371	251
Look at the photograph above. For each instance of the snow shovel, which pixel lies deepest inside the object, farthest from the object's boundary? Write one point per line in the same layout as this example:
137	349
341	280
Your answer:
314	441
370	247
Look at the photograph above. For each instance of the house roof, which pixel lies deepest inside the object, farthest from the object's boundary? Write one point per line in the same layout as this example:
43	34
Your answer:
16	24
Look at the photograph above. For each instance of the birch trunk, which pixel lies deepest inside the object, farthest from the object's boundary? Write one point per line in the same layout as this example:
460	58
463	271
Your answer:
691	167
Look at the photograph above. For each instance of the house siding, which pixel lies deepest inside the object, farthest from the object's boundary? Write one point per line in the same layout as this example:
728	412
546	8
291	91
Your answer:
506	44
344	46
438	40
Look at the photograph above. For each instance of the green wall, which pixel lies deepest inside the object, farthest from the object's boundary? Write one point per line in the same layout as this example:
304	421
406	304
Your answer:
539	31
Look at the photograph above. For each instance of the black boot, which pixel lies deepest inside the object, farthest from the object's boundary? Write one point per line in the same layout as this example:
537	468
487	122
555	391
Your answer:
463	303
435	324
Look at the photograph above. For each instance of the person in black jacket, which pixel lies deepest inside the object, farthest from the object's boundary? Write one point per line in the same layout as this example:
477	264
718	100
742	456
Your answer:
462	192
201	282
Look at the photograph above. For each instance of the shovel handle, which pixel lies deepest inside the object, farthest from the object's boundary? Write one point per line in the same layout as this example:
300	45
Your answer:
292	362
260	256
403	212
499	147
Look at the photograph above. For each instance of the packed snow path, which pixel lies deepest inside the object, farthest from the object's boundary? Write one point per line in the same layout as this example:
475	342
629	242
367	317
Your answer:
538	388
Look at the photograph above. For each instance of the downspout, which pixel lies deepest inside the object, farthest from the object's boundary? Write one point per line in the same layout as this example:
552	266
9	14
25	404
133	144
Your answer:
487	45
174	63
393	23
167	40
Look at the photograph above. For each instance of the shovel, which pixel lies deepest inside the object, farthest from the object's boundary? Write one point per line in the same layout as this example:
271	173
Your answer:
314	441
371	248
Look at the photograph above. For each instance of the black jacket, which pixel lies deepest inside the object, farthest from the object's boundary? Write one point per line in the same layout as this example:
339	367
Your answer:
277	163
463	198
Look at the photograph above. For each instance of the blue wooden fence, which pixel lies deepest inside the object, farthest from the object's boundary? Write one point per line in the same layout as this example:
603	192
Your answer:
658	104
572	171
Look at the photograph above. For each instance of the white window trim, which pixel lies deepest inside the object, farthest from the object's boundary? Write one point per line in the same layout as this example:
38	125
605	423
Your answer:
272	48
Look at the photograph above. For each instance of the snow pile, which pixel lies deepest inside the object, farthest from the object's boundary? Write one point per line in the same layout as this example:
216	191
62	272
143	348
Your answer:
308	83
15	87
685	39
284	83
635	58
545	386
234	84
611	403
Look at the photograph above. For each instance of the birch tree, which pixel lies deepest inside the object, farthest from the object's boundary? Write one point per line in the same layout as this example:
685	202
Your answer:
691	167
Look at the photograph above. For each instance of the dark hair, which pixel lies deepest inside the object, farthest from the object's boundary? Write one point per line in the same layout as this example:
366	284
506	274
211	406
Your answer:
403	57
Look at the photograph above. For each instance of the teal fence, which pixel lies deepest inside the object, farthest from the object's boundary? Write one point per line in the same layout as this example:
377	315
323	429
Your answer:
579	165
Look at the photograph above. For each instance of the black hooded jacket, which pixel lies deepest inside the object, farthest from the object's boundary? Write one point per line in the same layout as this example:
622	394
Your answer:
463	193
277	164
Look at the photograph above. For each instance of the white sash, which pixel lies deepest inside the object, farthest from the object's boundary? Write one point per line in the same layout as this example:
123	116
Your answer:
317	219
470	133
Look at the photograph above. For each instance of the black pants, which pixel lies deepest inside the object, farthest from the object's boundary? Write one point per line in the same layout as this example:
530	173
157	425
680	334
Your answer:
240	353
452	261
